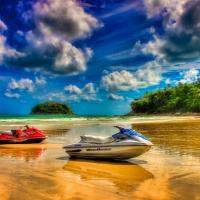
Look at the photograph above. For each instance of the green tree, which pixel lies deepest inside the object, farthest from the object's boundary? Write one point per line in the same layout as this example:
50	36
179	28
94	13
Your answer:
52	108
182	98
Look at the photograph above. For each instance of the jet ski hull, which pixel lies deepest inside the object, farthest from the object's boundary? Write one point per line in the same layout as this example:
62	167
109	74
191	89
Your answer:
107	152
23	141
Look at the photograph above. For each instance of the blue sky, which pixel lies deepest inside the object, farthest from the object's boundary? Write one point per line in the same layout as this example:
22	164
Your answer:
95	55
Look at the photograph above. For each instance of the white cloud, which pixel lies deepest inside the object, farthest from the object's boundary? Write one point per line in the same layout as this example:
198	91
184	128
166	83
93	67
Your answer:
10	94
56	96
190	76
168	81
115	97
49	46
172	8
154	47
149	74
181	40
87	93
2	47
68	19
74	93
40	80
16	88
6	51
89	89
73	89
70	60
22	84
119	80
128	53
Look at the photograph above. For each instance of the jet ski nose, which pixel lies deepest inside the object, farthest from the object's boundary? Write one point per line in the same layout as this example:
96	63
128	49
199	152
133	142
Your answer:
149	143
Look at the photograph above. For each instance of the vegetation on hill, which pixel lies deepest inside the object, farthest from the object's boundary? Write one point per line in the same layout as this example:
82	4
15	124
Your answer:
52	108
180	99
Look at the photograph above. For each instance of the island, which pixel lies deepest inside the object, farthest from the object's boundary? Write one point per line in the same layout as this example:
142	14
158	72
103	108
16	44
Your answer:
183	98
52	108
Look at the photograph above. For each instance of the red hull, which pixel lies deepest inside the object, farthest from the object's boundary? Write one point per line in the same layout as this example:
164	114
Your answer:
24	141
27	136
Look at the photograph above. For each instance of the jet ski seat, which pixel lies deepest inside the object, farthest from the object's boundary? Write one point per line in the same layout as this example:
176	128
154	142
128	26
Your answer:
96	139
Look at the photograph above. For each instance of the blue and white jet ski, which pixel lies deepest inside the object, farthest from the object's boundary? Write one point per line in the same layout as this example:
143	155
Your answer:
125	144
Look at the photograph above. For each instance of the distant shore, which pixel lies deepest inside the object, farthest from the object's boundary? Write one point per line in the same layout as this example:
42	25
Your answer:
54	122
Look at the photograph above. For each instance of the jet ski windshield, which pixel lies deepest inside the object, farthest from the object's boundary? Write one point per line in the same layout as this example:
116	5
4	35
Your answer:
127	133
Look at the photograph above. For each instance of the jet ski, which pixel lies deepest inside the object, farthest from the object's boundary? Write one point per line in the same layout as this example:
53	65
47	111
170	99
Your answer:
125	144
21	136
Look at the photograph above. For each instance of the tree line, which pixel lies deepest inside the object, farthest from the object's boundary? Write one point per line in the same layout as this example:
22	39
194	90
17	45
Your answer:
180	99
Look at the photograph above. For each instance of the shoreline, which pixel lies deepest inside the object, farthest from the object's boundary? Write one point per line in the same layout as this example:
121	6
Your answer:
67	123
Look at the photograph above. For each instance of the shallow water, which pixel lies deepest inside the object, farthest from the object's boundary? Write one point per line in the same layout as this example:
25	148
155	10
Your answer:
170	170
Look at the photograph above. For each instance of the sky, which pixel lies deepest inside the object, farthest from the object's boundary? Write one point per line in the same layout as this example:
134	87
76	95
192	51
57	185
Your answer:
95	55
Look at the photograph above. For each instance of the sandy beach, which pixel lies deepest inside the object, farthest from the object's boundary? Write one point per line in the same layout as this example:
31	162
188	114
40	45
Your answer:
166	172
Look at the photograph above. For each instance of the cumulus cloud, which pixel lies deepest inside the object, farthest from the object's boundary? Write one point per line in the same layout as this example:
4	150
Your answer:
22	84
10	94
89	89
55	96
190	76
181	39
186	77
115	97
172	8
16	87
149	74
40	80
68	19
2	47
73	89
119	80
73	93
87	93
6	51
49	46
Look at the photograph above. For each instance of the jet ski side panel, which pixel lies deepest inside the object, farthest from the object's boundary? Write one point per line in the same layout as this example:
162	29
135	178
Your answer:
112	152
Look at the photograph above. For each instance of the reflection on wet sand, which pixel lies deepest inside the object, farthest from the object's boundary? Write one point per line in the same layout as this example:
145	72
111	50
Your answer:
26	154
183	138
25	151
88	169
112	177
169	171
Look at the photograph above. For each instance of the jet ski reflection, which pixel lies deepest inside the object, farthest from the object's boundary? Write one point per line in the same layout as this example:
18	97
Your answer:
123	175
22	153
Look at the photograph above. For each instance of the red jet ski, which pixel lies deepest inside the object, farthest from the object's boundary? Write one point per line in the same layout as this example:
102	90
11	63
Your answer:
23	136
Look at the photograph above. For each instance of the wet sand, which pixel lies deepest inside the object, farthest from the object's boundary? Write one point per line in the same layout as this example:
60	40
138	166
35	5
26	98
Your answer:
170	170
